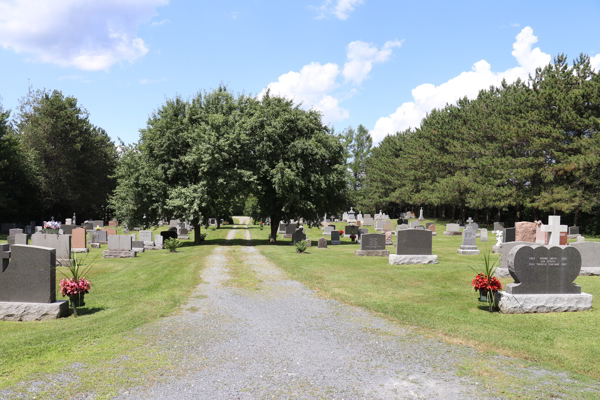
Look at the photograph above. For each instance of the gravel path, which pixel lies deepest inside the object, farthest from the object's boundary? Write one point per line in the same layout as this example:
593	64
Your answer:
284	342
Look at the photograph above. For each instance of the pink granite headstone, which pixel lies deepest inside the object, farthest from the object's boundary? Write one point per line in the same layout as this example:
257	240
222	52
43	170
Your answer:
564	238
525	232
110	231
78	239
388	239
432	227
541	237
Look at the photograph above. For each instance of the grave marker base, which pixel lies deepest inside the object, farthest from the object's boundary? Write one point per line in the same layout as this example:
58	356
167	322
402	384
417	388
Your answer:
119	253
542	303
86	250
14	311
183	237
452	233
468	251
372	253
406	259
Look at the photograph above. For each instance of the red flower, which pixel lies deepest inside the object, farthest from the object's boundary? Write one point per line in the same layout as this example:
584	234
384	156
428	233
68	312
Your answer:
482	282
341	232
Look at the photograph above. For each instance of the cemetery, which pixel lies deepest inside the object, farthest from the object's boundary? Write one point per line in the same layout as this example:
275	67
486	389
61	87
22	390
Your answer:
123	268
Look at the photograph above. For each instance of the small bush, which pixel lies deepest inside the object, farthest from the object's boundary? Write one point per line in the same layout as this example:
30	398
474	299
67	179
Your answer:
202	237
172	244
301	246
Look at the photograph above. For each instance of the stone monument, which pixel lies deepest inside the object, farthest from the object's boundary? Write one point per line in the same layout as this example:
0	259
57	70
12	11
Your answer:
413	246
469	242
372	244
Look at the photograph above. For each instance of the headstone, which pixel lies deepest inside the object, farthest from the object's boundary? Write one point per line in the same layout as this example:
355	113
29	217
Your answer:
361	231
289	230
322	243
387	226
544	269
379	225
483	235
554	228
78	241
62	244
351	215
113	224
431	227
87	225
367	216
21	238
525	231
469	242
345	217
68	229
30	276
359	217
68	221
452	230
159	241
413	246
510	235
573	232
402	227
590	257
120	246
211	222
97	222
414	223
428	224
496	248
388	239
281	228
183	234
169	235
351	230
367	220
421	218
328	229
544	278
102	236
372	244
564	239
175	222
137	246
335	237
298	236
498	226
146	236
110	231
541	237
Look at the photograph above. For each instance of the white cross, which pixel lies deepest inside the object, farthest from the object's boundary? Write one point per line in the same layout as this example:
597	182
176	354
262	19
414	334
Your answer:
470	220
554	228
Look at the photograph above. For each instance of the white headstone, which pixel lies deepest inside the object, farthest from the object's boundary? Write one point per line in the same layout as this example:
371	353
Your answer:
554	228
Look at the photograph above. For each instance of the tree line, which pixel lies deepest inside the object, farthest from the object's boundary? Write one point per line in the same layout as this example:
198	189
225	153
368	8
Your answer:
53	161
517	152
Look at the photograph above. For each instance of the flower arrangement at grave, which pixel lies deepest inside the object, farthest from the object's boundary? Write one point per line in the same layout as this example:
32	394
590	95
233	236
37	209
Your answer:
98	228
76	285
51	226
486	283
353	237
342	233
538	223
262	225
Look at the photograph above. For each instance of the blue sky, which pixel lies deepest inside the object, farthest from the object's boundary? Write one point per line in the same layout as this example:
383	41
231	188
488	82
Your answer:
383	64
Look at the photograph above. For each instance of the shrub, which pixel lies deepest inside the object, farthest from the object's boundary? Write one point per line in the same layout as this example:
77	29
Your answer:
172	244
301	246
202	237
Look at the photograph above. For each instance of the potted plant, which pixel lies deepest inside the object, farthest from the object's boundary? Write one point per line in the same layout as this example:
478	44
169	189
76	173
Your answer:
76	285
486	284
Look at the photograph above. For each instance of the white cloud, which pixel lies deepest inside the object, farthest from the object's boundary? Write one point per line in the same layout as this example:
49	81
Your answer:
85	34
595	61
311	87
315	84
428	96
161	22
340	9
362	56
234	15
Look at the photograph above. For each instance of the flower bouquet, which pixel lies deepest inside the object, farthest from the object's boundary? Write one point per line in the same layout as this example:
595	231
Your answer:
51	226
76	285
353	237
486	284
341	233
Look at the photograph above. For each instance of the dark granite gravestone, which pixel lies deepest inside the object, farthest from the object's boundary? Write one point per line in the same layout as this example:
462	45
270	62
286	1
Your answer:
30	277
414	241
183	232
510	235
350	230
372	241
68	229
281	228
573	230
137	244
544	270
290	229
298	236
322	243
498	226
335	237
169	234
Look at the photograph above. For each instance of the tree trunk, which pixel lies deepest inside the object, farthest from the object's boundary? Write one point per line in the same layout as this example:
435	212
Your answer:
575	216
274	228
498	215
197	230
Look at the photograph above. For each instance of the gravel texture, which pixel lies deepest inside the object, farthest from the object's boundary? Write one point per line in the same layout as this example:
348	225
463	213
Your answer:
283	341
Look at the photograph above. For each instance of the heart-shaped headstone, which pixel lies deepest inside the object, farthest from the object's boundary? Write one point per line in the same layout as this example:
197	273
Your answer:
544	270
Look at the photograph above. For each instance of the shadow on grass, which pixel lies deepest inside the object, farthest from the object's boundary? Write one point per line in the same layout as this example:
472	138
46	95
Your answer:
86	311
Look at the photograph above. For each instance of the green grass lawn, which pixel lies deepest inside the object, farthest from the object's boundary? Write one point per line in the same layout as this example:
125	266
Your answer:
125	294
439	300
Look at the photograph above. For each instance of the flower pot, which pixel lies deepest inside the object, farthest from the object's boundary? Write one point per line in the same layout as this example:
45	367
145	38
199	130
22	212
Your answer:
77	300
483	295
